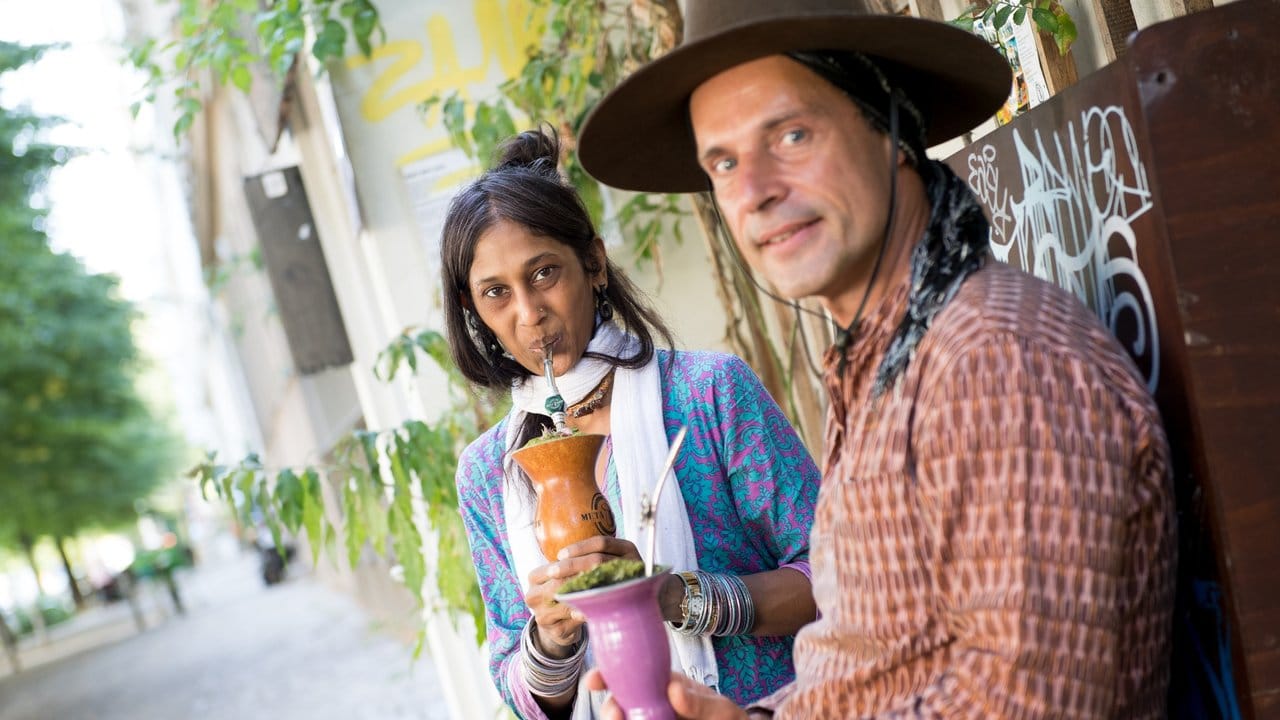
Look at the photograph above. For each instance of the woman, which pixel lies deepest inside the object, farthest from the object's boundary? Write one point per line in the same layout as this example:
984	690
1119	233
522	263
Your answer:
525	273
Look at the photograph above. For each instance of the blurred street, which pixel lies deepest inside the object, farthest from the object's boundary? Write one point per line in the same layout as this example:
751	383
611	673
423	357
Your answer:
243	650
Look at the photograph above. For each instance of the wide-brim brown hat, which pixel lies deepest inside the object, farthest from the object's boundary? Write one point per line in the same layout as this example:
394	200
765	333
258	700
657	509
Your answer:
638	137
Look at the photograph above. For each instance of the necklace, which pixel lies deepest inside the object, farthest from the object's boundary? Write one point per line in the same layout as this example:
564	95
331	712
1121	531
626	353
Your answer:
595	400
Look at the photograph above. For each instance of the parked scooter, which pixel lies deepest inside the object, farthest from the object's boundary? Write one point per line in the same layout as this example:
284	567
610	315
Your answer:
273	562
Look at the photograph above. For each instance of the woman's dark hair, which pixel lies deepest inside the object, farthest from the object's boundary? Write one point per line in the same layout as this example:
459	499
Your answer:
524	187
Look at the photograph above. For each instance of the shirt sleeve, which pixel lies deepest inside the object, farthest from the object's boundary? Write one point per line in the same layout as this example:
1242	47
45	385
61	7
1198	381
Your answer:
1047	520
480	502
773	477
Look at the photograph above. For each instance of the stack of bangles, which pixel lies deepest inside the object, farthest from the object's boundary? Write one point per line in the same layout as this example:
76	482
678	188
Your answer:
716	604
547	676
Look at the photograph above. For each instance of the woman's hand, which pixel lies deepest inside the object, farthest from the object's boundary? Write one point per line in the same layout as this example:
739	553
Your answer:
690	699
560	627
586	554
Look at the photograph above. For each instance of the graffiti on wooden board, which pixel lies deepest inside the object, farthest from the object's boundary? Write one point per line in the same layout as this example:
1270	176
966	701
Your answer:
1069	216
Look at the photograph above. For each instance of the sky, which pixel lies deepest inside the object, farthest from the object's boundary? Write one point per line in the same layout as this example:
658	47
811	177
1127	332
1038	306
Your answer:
99	206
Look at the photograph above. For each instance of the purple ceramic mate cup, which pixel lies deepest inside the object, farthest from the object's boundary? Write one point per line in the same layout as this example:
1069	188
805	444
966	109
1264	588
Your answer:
629	643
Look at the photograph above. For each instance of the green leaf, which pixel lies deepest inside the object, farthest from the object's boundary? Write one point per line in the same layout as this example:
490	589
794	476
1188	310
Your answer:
263	501
1066	32
369	446
1019	15
425	106
330	41
589	190
363	24
1002	16
289	499
453	113
241	78
356	531
407	544
313	511
242	499
1045	20
140	55
374	513
189	105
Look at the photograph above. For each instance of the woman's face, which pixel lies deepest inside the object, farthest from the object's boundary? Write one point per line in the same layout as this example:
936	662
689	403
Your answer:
532	291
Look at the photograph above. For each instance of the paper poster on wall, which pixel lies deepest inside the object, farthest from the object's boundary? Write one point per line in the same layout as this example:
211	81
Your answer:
1017	42
430	184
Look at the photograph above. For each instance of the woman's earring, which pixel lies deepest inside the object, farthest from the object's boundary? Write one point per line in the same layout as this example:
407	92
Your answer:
603	308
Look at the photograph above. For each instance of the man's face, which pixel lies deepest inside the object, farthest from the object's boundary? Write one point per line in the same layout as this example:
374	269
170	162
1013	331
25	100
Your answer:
800	175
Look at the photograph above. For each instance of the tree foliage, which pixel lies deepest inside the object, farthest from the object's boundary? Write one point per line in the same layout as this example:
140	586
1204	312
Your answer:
79	445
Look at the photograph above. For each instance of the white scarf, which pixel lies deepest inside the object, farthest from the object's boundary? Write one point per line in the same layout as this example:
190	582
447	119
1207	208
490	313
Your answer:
639	449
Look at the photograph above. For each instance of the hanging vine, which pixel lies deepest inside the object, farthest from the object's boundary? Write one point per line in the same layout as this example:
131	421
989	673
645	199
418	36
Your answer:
226	39
382	480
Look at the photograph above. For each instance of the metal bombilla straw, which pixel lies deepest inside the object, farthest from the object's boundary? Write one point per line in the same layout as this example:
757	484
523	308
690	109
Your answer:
649	507
555	402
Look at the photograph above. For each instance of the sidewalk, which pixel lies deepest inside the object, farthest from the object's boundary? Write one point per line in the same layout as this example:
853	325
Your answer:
295	651
96	626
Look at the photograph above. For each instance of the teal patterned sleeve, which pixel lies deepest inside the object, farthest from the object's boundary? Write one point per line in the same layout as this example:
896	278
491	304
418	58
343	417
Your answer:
750	486
774	479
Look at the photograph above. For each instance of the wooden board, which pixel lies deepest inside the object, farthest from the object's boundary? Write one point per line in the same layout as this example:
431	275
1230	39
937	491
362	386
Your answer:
1210	91
1152	190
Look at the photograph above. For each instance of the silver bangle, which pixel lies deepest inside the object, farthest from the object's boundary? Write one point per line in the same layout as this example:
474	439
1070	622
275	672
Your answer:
547	676
738	611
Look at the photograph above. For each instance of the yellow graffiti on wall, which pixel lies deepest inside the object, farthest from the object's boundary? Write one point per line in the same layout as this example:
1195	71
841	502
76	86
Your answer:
504	30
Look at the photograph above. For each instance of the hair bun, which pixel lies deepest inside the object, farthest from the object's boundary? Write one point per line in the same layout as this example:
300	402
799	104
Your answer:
537	150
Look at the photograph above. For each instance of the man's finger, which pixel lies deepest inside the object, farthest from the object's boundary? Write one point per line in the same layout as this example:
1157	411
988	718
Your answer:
595	681
691	699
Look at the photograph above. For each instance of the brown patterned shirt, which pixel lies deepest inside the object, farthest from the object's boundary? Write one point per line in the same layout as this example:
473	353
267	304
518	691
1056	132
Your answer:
995	534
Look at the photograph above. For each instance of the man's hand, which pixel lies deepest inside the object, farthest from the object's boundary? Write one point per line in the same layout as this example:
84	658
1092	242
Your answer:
690	699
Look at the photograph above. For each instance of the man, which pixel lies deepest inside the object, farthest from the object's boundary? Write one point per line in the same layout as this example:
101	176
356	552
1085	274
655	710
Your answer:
995	532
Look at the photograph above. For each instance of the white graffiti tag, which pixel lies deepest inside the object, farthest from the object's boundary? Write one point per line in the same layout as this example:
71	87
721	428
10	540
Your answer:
1080	191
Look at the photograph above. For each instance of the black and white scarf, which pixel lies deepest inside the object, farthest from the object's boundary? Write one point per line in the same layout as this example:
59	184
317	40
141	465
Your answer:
953	247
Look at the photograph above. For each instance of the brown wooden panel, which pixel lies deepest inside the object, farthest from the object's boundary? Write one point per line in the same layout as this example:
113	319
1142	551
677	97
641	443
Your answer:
1162	173
297	270
1072	197
1248	533
1210	89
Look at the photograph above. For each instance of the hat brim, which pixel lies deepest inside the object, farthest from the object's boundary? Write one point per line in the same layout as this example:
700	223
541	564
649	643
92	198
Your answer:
638	137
